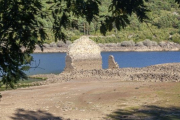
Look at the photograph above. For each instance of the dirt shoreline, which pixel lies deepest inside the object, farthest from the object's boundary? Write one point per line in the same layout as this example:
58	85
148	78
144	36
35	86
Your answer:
115	47
112	49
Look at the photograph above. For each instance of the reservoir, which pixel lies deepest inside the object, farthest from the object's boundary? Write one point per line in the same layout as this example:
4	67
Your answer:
55	62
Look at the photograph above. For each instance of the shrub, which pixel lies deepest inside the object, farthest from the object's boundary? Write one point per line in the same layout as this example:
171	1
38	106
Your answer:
162	43
73	38
53	44
149	43
154	43
128	43
60	44
140	44
176	38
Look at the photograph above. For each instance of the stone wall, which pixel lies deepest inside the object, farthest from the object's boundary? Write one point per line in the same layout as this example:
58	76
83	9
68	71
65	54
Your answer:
83	54
158	73
112	64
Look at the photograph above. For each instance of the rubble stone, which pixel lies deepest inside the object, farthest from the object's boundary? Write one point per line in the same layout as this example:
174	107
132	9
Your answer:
83	54
112	64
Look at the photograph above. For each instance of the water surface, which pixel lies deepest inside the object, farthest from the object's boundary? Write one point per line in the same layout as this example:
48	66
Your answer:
55	62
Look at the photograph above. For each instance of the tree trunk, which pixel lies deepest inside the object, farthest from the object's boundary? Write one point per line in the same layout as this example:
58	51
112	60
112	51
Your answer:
87	29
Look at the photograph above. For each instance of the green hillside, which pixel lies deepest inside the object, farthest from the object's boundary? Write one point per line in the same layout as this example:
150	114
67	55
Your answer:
163	24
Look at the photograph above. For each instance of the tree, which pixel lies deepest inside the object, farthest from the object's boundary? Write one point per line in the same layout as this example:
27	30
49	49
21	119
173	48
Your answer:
20	27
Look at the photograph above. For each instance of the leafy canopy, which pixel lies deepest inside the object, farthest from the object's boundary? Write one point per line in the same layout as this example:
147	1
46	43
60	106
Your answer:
21	27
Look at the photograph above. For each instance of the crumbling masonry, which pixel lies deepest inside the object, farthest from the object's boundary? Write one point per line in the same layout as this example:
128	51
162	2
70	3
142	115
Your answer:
83	54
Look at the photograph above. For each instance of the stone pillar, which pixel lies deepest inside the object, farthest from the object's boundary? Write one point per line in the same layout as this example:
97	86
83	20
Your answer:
112	64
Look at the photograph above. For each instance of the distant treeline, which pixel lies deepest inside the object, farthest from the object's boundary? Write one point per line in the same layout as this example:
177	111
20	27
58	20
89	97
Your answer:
163	24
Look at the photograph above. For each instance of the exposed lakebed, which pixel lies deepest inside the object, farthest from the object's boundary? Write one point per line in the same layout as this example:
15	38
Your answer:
55	62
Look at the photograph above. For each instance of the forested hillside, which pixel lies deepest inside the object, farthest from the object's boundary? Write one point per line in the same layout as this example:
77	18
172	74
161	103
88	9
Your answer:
163	24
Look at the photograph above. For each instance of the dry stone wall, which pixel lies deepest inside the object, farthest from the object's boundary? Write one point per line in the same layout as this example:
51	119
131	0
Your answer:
158	73
83	54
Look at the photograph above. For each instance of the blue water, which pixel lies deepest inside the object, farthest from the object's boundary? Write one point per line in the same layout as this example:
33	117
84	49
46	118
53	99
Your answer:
55	62
47	63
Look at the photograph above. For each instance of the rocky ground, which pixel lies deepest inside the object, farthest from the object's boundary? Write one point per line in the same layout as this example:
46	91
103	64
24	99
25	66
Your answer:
169	72
94	98
85	99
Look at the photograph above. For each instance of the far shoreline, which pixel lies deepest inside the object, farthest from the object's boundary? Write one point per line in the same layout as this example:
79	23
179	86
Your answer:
114	49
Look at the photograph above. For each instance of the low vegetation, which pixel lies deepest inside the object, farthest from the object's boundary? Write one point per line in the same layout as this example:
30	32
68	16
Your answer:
23	83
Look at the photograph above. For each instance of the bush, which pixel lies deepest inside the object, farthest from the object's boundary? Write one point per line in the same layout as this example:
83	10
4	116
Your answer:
53	44
176	38
154	43
128	43
162	44
149	43
73	38
140	44
60	44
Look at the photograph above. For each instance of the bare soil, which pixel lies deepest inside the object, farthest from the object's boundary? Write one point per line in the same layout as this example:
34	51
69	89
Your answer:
91	99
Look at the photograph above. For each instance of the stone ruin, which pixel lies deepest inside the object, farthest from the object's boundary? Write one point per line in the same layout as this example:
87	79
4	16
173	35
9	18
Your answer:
83	54
112	64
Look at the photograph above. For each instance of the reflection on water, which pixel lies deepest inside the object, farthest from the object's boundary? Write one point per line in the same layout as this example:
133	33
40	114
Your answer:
55	62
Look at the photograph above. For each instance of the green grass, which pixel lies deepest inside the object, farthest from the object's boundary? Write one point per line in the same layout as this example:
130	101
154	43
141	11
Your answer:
23	83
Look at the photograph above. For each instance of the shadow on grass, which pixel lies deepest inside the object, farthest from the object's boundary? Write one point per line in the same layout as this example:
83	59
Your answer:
146	113
22	114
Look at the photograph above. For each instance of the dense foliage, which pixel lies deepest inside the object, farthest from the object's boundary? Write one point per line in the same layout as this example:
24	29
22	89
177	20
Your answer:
163	23
19	27
25	23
